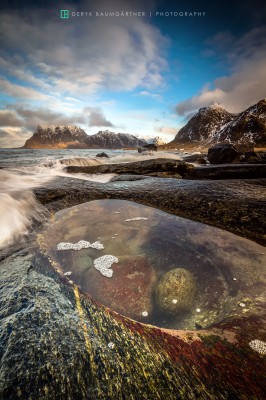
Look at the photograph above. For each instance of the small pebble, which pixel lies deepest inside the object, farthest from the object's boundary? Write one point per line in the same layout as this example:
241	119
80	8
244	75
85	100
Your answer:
242	305
111	345
71	282
113	237
67	273
144	313
234	279
174	301
198	309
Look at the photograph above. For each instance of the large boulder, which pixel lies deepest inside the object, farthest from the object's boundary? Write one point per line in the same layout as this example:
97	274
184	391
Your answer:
222	153
175	291
150	147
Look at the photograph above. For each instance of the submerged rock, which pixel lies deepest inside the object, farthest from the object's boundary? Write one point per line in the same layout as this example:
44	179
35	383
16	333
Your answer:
103	155
176	290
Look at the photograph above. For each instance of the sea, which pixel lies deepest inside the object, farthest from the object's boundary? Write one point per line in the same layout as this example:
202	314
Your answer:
22	170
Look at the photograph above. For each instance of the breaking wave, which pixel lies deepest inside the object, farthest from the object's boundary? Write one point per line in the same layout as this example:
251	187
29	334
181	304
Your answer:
18	206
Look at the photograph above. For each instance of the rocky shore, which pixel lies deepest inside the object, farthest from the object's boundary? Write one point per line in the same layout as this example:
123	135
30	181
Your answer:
57	343
236	205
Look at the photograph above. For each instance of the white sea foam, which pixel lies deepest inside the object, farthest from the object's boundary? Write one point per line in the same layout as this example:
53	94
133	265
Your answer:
18	205
136	219
103	265
122	158
82	244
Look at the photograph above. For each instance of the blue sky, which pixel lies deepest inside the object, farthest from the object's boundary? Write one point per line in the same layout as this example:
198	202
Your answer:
144	75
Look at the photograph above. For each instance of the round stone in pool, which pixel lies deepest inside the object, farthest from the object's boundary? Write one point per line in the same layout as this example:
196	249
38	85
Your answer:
155	267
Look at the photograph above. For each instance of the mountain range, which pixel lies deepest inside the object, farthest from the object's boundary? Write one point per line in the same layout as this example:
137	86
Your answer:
213	124
71	137
210	125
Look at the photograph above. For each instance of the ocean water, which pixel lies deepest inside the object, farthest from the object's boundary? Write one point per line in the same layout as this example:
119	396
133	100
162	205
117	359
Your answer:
22	170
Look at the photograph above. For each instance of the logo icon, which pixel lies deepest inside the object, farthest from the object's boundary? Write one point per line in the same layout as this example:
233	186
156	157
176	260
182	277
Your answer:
64	14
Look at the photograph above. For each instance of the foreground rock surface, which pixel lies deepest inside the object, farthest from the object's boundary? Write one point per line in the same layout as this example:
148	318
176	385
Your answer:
57	343
235	205
227	171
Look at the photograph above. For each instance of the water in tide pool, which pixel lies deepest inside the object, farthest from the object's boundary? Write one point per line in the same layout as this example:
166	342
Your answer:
22	170
155	267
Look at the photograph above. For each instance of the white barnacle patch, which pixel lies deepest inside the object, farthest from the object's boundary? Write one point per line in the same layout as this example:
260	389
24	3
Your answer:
103	265
111	345
68	273
258	345
135	219
144	313
82	244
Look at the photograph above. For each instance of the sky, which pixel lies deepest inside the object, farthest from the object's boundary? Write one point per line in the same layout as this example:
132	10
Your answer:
144	74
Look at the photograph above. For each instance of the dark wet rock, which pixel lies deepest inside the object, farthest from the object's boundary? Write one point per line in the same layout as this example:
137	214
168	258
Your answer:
104	155
57	343
201	160
196	158
150	147
251	156
154	167
222	154
235	205
175	291
129	178
228	171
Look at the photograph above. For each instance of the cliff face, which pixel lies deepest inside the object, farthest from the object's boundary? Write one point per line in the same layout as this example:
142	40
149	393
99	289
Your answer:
214	124
248	126
62	137
204	125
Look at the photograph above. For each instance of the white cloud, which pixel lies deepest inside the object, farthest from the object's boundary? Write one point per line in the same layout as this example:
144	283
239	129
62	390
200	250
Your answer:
9	118
81	56
18	91
11	137
167	130
246	83
150	94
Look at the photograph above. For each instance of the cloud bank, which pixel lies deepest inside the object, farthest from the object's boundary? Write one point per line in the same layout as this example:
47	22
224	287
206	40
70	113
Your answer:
247	82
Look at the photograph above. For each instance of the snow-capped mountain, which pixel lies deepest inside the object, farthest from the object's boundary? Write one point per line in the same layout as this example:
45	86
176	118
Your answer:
57	137
204	125
75	137
250	125
111	140
214	124
157	141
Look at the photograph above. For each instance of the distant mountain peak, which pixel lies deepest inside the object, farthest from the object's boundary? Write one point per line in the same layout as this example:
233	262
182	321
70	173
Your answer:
214	124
